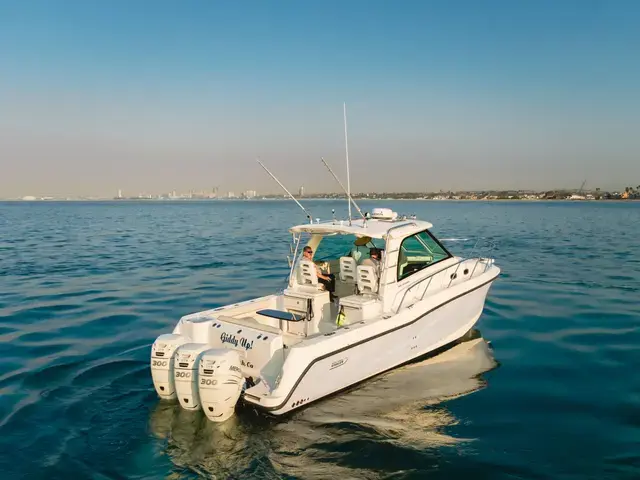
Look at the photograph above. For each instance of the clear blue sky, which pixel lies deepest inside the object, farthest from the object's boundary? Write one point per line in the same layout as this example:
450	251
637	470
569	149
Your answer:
158	95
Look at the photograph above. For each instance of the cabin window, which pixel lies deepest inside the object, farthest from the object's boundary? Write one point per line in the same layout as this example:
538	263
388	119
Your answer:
419	251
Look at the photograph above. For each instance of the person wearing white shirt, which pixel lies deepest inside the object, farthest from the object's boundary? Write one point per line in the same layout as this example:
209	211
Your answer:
329	280
373	260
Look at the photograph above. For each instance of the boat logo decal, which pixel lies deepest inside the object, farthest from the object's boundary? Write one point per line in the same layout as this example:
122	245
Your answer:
338	363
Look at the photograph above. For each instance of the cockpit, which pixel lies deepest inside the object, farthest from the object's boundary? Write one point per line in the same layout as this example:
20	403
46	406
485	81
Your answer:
343	258
339	273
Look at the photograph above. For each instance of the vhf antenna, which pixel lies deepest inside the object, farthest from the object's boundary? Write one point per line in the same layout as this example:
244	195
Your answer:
351	200
285	189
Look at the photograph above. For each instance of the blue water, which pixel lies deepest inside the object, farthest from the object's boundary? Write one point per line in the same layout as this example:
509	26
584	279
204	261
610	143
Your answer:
85	288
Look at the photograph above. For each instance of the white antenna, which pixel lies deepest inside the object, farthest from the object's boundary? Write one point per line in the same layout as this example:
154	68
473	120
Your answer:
346	147
342	186
285	189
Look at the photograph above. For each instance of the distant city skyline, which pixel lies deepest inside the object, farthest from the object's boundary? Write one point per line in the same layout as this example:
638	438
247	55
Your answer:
581	193
460	95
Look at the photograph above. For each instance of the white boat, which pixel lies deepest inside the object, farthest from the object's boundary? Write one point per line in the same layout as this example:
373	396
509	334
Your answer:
283	351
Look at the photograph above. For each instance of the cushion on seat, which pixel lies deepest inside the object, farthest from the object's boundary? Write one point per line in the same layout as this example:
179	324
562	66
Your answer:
282	315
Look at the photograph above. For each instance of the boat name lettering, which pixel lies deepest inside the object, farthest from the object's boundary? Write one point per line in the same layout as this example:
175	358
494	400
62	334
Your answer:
243	342
246	364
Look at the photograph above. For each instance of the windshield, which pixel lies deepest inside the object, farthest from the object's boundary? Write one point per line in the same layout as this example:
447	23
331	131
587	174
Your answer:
333	247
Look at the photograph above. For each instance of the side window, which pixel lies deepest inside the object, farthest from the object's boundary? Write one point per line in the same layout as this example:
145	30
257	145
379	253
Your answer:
417	252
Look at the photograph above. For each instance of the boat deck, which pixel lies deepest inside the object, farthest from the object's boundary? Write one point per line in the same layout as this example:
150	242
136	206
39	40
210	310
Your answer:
270	315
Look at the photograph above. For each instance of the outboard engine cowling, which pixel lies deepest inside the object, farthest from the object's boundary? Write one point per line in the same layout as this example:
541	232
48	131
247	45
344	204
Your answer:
221	383
187	358
162	363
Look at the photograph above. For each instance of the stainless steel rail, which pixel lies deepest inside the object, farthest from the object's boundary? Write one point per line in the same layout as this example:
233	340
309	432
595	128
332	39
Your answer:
488	263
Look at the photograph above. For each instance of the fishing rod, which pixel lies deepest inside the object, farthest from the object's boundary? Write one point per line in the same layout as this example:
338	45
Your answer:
285	189
351	200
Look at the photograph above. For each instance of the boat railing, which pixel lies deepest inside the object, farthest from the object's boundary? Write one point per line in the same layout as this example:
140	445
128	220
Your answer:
395	227
486	246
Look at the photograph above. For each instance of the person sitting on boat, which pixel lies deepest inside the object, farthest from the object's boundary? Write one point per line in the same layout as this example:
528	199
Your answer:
329	280
373	260
355	252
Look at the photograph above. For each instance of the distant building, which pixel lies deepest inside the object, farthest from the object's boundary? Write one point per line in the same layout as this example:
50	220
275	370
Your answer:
301	192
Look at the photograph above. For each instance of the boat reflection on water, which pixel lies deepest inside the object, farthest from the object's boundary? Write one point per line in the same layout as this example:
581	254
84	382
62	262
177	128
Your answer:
400	409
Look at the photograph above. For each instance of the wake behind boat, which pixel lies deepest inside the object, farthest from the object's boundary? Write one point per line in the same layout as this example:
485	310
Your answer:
382	292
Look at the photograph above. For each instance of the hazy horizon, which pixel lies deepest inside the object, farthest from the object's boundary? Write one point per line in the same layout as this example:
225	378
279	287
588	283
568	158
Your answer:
155	97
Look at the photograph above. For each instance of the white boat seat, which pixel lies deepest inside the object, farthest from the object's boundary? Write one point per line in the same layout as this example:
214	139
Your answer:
357	301
308	275
357	308
367	279
348	270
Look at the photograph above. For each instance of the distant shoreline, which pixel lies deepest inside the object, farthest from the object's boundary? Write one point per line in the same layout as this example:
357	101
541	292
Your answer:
268	199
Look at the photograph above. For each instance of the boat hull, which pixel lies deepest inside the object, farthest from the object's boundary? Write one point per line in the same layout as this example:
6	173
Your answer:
414	333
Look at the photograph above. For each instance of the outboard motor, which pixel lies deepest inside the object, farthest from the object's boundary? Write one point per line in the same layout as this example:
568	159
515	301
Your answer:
221	383
186	374
162	363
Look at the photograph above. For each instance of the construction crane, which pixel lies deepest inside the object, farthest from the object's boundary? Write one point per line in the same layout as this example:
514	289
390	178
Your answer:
582	187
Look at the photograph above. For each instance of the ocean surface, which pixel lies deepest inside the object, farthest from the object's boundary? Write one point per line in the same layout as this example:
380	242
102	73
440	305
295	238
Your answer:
548	388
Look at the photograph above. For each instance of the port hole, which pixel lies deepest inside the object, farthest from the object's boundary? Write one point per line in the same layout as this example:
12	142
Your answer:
162	388
211	409
186	400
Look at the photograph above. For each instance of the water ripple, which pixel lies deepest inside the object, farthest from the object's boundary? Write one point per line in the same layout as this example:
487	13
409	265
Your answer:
86	287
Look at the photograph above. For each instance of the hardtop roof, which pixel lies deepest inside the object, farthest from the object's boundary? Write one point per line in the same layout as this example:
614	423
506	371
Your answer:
374	228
